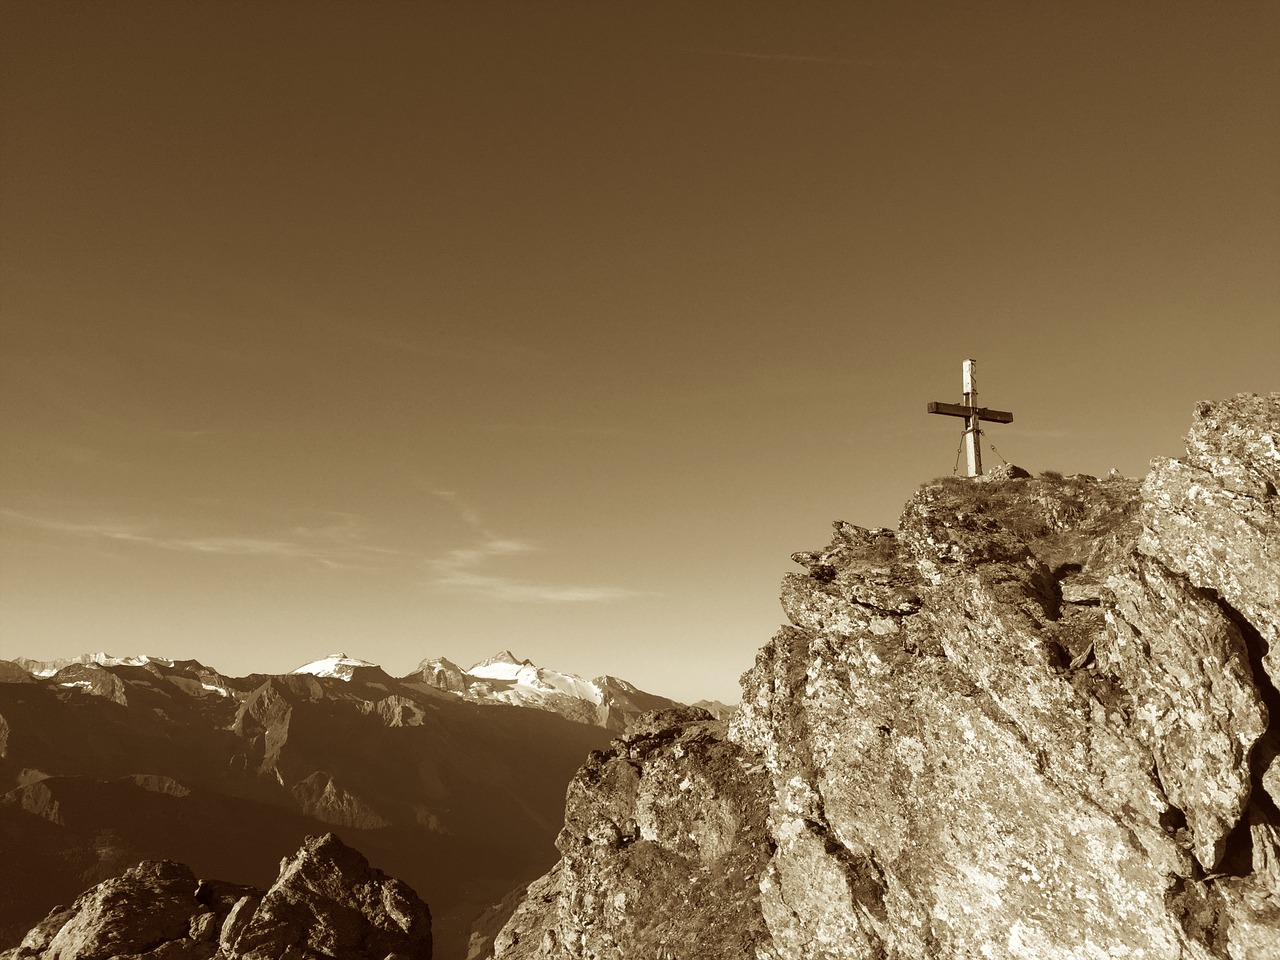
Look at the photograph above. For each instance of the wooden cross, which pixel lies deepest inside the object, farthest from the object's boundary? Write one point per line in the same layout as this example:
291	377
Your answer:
973	416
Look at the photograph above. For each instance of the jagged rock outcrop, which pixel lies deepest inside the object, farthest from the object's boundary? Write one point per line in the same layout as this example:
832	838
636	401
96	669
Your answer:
1039	720
327	902
663	840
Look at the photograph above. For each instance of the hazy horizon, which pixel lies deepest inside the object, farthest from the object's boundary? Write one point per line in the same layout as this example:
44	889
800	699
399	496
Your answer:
414	330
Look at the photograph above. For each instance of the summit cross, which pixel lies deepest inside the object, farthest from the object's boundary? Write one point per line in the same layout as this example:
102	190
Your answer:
973	417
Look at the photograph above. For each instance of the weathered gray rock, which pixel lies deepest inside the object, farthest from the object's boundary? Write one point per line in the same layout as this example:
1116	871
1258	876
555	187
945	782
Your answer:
326	903
1214	515
147	912
1040	720
663	841
1192	698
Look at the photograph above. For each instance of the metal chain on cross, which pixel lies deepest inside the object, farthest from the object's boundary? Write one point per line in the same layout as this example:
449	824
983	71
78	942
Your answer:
973	416
959	450
998	454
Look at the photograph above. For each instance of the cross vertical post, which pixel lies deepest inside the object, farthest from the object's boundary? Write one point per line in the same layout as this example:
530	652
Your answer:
973	432
973	416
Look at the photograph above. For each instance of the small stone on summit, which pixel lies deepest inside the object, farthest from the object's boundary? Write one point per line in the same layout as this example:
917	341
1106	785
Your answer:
1006	471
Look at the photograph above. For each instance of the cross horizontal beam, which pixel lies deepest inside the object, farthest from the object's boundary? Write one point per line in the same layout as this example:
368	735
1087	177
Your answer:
982	413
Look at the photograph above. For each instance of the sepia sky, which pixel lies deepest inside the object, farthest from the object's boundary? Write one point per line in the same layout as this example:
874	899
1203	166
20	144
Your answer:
416	330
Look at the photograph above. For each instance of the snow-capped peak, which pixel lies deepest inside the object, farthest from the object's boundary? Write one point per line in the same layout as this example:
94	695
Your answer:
337	665
523	680
504	678
502	666
47	668
503	658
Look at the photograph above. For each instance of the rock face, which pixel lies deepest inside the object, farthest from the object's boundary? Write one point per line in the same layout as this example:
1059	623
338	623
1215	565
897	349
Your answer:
1039	720
327	902
664	838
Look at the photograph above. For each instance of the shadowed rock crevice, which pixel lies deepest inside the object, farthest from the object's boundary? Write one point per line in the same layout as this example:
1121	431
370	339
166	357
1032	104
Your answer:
1202	915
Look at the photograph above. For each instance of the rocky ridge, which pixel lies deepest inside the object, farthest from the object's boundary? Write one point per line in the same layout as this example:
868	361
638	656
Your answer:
1039	720
327	902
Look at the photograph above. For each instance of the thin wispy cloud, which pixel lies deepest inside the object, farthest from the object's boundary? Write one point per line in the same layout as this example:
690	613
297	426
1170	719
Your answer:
509	590
343	543
460	570
336	545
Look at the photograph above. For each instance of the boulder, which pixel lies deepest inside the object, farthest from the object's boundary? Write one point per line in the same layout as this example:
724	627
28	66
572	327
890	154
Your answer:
328	902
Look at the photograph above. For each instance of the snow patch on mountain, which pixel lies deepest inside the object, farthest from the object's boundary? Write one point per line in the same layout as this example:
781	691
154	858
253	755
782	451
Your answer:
507	679
337	665
518	681
218	688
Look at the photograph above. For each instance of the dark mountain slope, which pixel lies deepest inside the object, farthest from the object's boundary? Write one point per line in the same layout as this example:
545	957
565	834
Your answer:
106	764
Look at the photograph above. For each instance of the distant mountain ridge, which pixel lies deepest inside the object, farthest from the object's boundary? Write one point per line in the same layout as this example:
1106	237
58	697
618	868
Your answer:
107	760
505	678
47	668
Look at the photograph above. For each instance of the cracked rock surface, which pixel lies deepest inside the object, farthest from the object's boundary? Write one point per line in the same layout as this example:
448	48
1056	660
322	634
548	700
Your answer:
1039	720
663	844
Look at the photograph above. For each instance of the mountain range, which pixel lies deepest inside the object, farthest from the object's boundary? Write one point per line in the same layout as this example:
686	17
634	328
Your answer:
605	701
106	761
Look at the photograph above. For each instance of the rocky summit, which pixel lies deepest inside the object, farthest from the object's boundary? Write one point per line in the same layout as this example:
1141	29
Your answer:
1039	720
326	903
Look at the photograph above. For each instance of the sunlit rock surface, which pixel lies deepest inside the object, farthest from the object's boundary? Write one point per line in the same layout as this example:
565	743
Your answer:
664	838
1038	721
326	903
